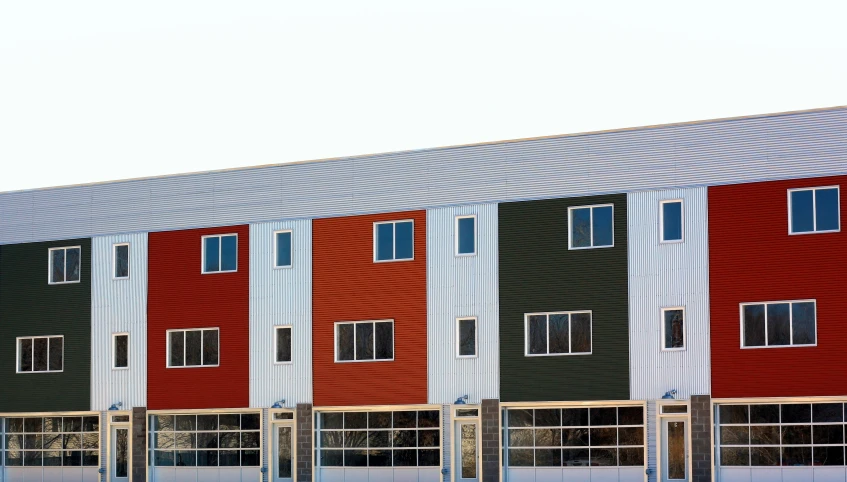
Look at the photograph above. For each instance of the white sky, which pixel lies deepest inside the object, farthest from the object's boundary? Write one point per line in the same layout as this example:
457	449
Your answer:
96	91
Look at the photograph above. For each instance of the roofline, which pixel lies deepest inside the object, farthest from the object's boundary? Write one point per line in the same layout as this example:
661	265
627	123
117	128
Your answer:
430	149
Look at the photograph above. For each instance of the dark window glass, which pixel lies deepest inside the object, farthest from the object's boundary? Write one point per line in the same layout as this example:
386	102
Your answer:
803	323
406	419
467	337
39	354
207	422
521	457
428	438
379	458
537	334
185	458
763	435
734	414
520	418
574	417
604	457
121	351
674	320
207	440
428	419
672	221
548	417
581	333
385	241
379	439
548	437
828	455
630	415
827	412
229	253
466	233
186	423
57	274
164	423
229	458
207	458
249	421
602	224
574	458
283	345
764	413
603	416
521	438
210	347
284	455
631	436
403	233
575	437
796	434
177	348
56	353
332	420
826	209
764	456
346	339
164	458
603	436
558	333
754	325
122	261
229	421
90	424
355	458
802	211
732	435
428	458
384	340
364	341
548	457
283	249
72	262
34	424
16	425
779	324
212	254
250	440
405	458
26	355
52	458
229	440
379	420
355	438
796	413
405	438
827	434
796	456
631	456
581	228
193	348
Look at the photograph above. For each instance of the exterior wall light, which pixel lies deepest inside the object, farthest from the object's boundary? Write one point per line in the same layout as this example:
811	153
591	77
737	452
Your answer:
278	404
669	395
463	400
116	406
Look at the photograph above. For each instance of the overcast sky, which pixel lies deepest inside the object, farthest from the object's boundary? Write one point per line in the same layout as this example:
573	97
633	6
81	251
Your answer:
96	91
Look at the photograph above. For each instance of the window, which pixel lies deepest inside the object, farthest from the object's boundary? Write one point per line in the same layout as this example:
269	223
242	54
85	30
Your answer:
120	348
408	438
591	226
64	264
364	341
781	323
393	241
220	253
282	344
52	441
205	440
40	354
121	261
788	435
193	348
814	210
673	328
282	249
466	337
575	437
465	235
562	333
670	215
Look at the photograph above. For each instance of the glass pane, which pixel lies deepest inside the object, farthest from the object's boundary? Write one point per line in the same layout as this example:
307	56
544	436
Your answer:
734	414
731	435
630	436
121	452
779	324
581	333
379	458
72	262
56	353
429	458
575	457
207	458
33	458
230	421
676	450
57	275
250	440
229	440
121	261
558	333
405	458
384	340
631	456
802	212
537	334
26	355
353	420
803	323
429	438
34	441
345	341
520	418
575	437
548	457
332	458
606	436
796	434
602	224
405	419
185	440
229	458
53	458
163	423
467	412
379	439
356	438
428	418
603	416
764	435
548	417
574	417
185	458
40	354
210	347
355	458
796	456
827	434
249	458
14	458
604	457
581	228
754	325
177	347
405	438
90	424
404	233
796	413
229	253
332	420
212	253
384	241
283	452
164	458
466	235
826	209
548	437
33	424
207	440
632	415
468	451
121	351
186	423
207	422
764	413
827	412
332	439
672	221
283	249
193	348
164	440
283	345
521	437
673	329
828	455
467	337
522	457
284	416
735	456
364	341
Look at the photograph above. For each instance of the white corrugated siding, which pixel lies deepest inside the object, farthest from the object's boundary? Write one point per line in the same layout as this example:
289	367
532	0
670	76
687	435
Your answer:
652	426
118	306
280	297
446	442
464	286
668	275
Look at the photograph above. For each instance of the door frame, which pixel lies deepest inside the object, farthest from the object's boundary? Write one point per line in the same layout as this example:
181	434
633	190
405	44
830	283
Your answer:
270	437
477	419
661	417
109	425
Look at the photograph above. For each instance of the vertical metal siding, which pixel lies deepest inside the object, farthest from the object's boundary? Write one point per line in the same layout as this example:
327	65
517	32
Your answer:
652	424
459	286
446	442
280	297
667	275
118	306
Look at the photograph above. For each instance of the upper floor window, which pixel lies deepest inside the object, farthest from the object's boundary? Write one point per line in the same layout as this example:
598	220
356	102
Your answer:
282	344
64	264
220	253
781	323
120	350
466	337
465	235
282	249
561	333
121	261
40	354
673	328
364	341
193	348
591	226
671	221
393	240
813	210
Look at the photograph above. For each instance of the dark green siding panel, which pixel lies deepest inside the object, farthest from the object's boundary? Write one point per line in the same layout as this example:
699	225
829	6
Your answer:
29	306
538	273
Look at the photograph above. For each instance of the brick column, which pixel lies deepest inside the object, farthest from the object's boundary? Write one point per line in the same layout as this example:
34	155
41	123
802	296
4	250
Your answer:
701	438
138	420
303	422
490	440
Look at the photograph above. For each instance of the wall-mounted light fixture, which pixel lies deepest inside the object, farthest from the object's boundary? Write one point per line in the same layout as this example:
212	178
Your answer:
278	404
461	400
669	395
116	406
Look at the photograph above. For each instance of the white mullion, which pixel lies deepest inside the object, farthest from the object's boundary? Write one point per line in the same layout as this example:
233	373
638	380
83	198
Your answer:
570	335
203	364
373	336
591	227
48	354
184	348
767	337
354	349
220	268
814	210
394	241
547	325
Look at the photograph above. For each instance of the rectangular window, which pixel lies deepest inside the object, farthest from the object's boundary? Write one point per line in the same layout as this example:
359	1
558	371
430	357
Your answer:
64	264
591	226
121	261
41	354
814	210
282	249
466	337
220	253
465	235
364	341
52	441
670	215
408	438
561	333
393	241
205	440
120	348
193	348
282	343
673	328
574	437
781	323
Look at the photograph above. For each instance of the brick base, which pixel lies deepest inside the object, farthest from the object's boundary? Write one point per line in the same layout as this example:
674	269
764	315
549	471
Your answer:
490	440
138	471
701	438
303	429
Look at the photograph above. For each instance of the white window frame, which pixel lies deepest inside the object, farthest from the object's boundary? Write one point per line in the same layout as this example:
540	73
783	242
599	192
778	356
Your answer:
684	324
50	265
115	352
276	247
373	322
590	225
475	333
183	330
456	230
291	330
570	338
115	261
394	244
220	253
790	324
33	338
662	239
814	209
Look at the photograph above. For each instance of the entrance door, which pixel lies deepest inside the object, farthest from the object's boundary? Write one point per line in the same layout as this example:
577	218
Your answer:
674	449
466	443
119	454
283	454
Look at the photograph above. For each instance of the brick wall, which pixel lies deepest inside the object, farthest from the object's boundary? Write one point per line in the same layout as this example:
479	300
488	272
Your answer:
701	438
490	440
304	429
139	444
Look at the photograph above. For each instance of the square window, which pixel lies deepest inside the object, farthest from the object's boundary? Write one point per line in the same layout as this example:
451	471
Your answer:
121	261
465	235
220	253
393	241
673	328
65	264
40	354
193	348
120	349
282	249
466	337
562	333
814	210
282	344
775	324
364	341
591	226
670	215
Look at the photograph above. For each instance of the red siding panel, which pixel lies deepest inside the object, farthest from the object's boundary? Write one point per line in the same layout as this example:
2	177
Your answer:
349	286
753	258
179	296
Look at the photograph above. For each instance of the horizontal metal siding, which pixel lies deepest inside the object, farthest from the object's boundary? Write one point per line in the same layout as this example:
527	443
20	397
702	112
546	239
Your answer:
280	297
118	306
707	153
461	286
667	275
